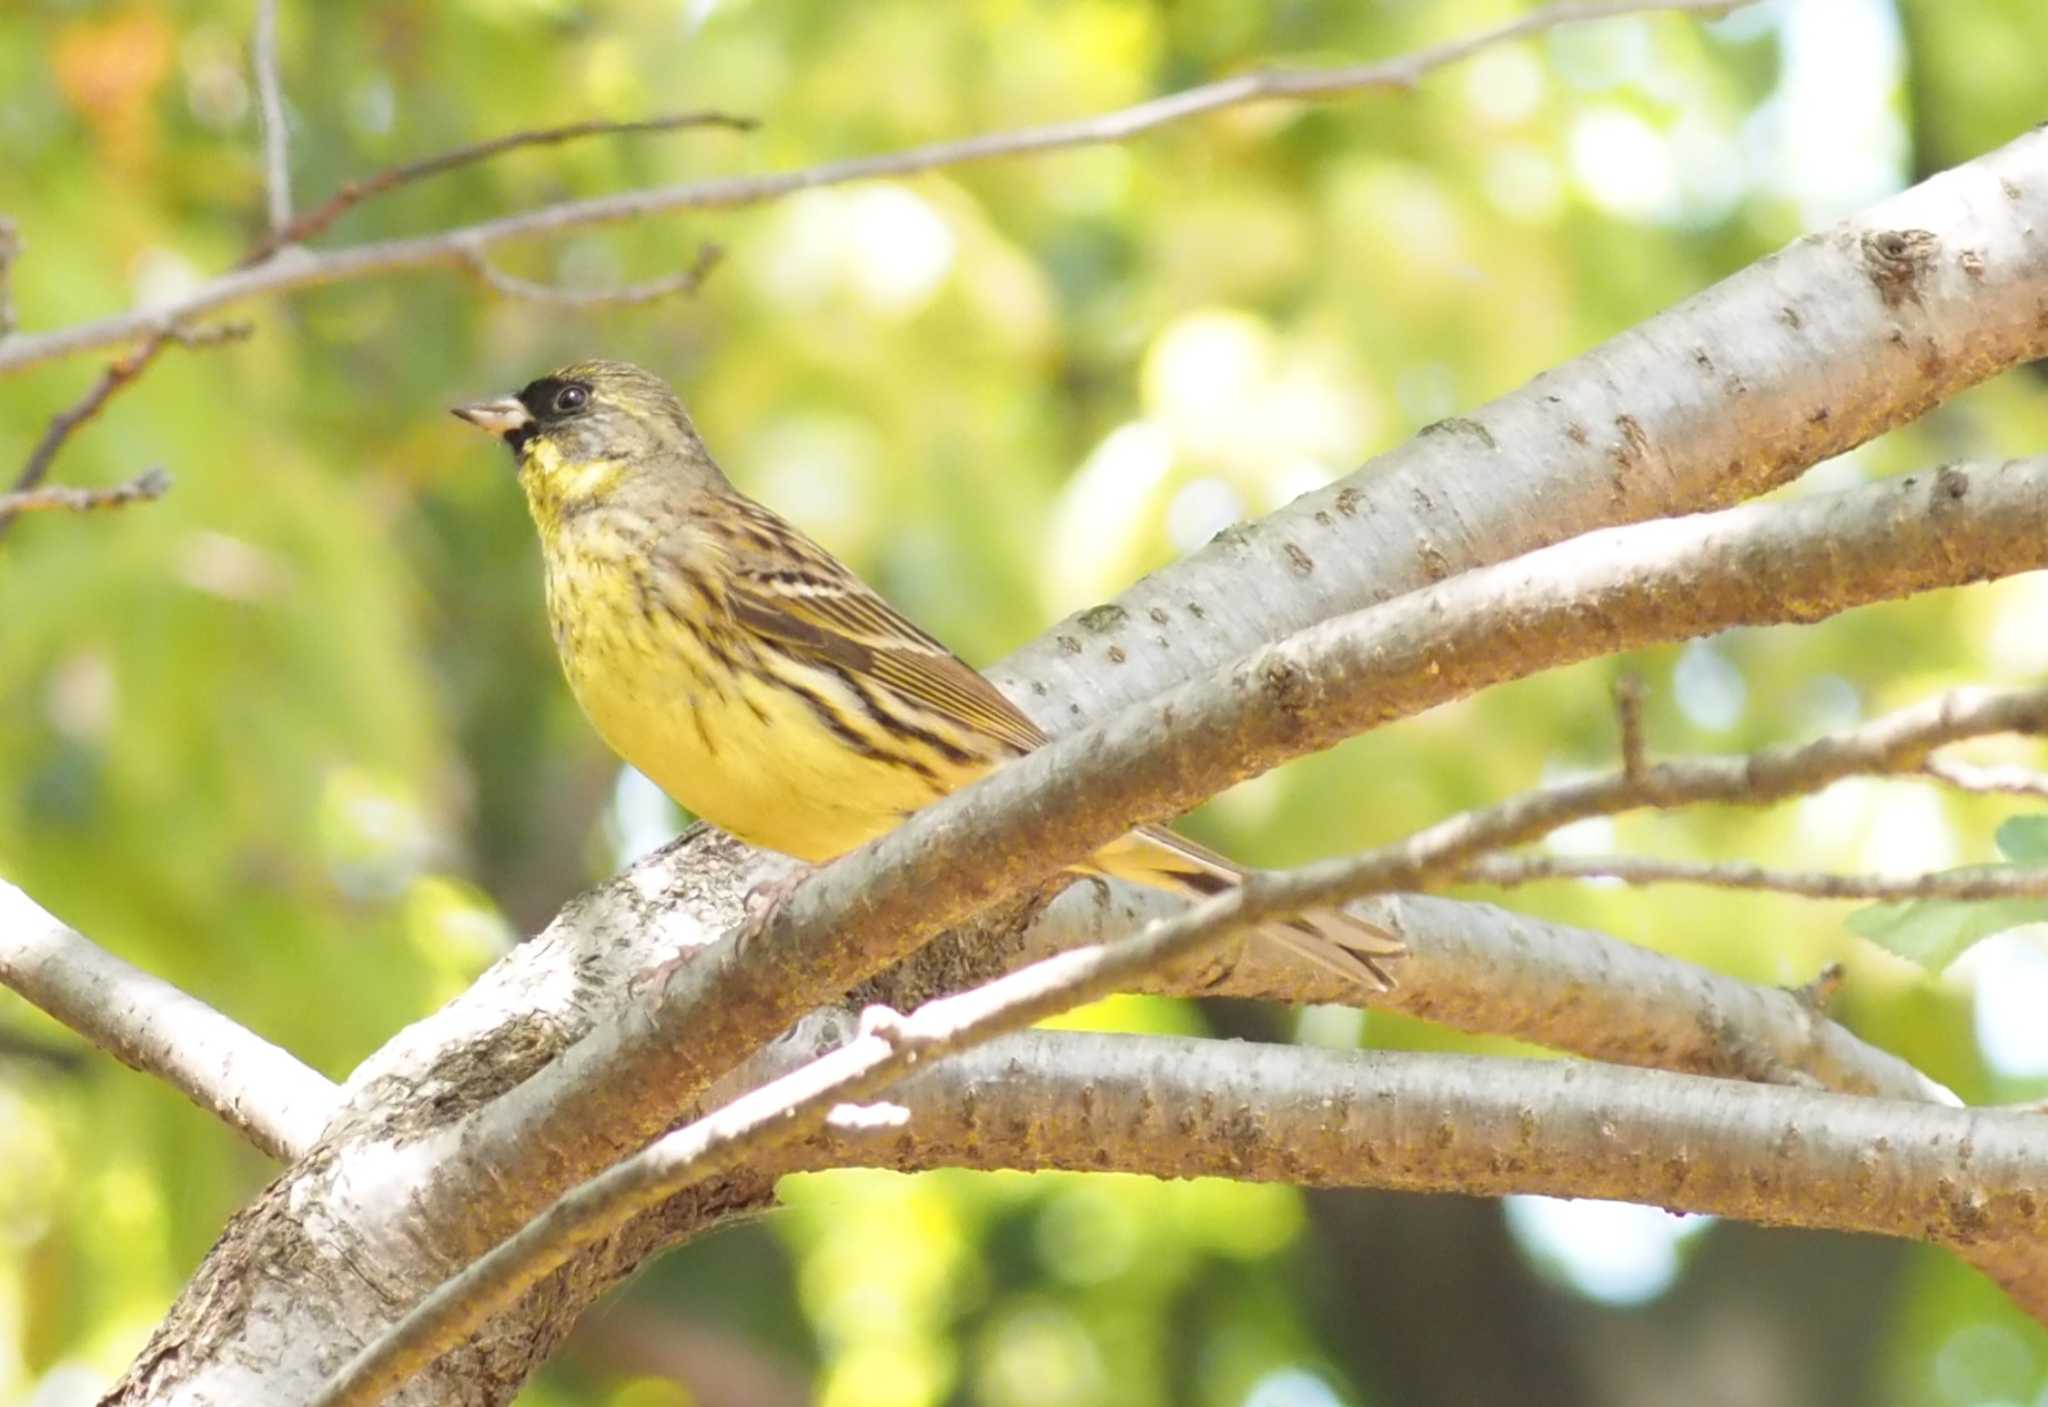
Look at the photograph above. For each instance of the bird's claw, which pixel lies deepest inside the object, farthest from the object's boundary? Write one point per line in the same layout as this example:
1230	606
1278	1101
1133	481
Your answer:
757	909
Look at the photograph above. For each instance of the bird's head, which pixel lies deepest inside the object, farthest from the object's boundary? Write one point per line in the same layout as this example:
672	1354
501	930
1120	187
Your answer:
584	433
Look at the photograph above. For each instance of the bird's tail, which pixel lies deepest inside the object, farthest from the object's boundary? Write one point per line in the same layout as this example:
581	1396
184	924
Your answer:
1329	938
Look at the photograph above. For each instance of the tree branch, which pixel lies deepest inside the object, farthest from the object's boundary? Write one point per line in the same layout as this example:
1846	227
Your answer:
312	223
1639	427
765	1119
1896	743
788	1108
448	248
1474	1125
254	1087
1492	971
1966	884
277	173
119	374
1618	590
149	484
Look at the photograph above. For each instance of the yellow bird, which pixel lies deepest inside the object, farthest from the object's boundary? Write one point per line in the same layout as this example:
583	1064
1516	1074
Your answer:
753	677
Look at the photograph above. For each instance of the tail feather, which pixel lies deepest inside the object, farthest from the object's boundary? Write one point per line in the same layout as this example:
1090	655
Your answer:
1330	938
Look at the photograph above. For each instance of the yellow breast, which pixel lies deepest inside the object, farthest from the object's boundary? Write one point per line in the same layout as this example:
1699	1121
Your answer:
734	733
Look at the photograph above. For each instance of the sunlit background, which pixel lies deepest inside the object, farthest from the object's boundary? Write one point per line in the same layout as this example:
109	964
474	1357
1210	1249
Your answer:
293	737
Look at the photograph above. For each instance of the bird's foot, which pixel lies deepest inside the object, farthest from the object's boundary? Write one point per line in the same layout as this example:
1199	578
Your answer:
757	909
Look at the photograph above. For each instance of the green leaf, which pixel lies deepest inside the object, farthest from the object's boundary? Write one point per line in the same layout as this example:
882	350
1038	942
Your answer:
2024	840
1935	932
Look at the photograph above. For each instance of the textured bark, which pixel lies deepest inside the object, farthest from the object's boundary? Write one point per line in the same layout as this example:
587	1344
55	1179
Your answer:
1801	356
261	1091
1471	1124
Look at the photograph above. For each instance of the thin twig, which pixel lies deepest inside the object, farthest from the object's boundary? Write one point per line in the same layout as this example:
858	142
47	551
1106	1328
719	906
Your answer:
1893	744
1995	781
10	250
316	221
626	295
1967	884
1628	716
1818	994
145	1023
446	248
149	484
119	374
277	173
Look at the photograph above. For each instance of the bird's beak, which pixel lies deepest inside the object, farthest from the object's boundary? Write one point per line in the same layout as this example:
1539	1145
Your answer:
504	416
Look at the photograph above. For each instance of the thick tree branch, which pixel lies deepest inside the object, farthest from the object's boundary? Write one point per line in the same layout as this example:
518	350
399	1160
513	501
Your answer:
766	1119
449	248
1966	884
787	1108
256	1088
1617	590
1475	1125
1631	430
1492	971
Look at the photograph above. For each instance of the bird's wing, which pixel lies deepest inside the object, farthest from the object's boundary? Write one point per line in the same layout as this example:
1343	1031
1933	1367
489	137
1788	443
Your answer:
792	591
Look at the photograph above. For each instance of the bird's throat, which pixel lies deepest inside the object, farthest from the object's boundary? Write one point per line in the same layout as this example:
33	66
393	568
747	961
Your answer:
556	488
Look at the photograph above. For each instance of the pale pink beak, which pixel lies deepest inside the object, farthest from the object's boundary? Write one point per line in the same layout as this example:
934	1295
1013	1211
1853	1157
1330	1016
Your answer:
504	416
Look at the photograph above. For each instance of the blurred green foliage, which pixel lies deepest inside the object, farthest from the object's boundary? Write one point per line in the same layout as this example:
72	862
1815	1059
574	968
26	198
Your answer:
292	738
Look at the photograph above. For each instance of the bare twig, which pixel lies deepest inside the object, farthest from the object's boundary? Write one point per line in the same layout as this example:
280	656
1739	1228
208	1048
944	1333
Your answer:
145	1023
1818	994
1996	781
277	173
316	221
149	484
1896	743
1965	884
119	374
1628	716
626	295
10	250
447	248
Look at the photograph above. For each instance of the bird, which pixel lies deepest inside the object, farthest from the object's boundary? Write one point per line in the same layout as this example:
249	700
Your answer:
755	678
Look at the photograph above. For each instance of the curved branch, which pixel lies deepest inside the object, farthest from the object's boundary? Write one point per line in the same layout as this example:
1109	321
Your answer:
316	221
1475	1125
148	1025
1491	971
1618	590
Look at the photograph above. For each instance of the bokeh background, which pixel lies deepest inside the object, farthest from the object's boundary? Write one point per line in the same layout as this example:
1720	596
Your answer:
293	738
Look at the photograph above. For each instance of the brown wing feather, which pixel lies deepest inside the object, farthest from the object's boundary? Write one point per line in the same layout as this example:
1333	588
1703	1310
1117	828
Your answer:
791	590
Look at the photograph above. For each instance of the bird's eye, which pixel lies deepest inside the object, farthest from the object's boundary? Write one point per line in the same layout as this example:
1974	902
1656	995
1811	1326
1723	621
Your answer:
571	398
